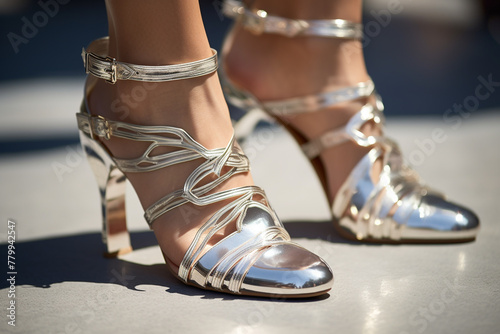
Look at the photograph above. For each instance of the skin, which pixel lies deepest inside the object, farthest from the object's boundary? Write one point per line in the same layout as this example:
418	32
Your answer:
160	32
262	65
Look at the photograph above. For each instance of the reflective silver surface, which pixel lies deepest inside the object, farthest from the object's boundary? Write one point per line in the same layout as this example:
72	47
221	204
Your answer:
111	184
378	288
398	208
257	259
289	267
97	63
395	208
260	259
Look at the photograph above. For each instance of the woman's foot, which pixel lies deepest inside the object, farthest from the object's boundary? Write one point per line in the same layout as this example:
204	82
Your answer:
159	33
219	224
164	124
276	67
304	65
195	105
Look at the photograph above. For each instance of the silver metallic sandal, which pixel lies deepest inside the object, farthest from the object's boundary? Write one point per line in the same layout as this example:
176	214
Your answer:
258	258
397	208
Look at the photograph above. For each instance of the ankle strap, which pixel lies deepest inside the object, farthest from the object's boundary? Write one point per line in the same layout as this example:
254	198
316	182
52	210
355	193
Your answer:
97	63
259	21
315	102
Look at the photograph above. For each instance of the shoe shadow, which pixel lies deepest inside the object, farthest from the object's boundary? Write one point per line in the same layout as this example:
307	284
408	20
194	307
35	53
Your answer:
320	230
79	258
325	230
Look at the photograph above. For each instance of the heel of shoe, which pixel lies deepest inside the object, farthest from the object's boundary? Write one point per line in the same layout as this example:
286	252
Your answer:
111	183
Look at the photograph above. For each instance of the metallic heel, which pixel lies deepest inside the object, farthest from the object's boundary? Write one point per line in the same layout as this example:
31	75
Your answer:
111	183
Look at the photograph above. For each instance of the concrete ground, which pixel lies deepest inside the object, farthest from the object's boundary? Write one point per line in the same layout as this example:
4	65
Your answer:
64	285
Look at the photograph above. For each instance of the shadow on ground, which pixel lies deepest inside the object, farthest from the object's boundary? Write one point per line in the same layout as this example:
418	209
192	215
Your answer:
322	230
78	258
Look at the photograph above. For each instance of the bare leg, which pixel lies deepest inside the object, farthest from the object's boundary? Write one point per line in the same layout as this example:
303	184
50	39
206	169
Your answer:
157	32
276	67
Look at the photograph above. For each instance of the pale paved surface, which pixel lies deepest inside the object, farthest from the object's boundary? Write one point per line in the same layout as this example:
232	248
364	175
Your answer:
65	286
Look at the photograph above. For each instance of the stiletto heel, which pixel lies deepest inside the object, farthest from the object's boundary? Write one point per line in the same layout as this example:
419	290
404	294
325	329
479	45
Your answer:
395	209
111	184
258	258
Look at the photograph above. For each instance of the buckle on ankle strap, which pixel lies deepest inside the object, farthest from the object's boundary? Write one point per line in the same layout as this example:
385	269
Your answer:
100	127
112	65
98	64
259	22
255	21
112	71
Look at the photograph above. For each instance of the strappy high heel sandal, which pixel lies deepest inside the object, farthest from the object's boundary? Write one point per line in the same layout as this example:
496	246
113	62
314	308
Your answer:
397	208
258	258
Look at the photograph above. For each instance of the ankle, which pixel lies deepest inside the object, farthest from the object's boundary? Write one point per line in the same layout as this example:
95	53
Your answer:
188	104
319	10
276	67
